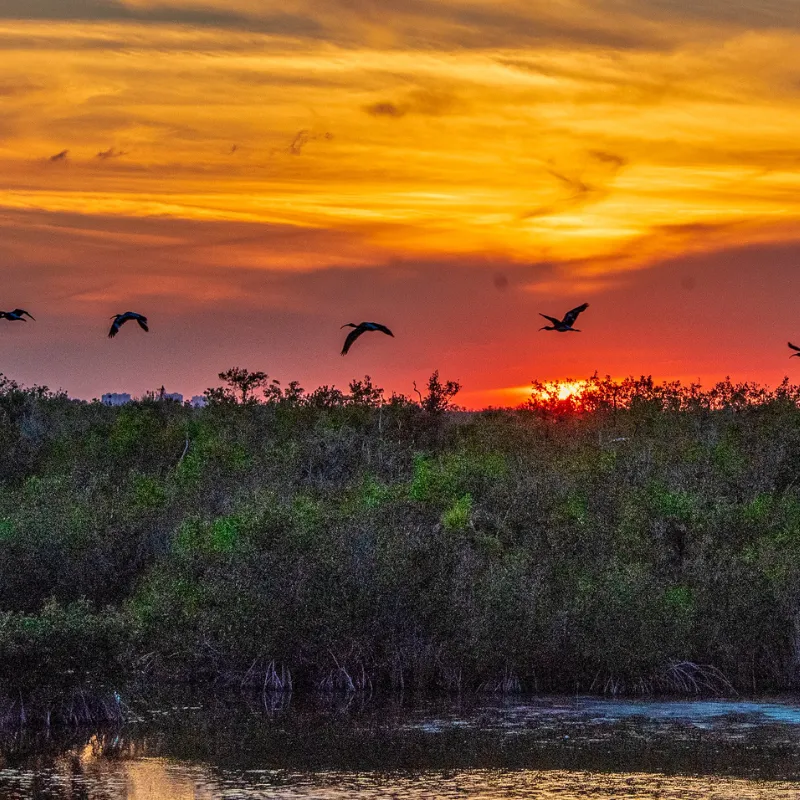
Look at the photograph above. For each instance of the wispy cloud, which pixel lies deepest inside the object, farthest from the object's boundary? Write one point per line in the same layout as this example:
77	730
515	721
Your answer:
520	150
384	108
302	138
111	153
418	101
589	186
62	156
609	158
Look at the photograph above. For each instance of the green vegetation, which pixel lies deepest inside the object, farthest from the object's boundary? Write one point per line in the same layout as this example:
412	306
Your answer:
644	537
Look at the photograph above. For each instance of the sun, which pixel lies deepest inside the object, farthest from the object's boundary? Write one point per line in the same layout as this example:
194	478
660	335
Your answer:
560	392
567	389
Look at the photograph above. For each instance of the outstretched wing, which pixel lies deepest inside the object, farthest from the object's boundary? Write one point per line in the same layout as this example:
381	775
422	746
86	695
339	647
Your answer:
115	327
552	319
142	322
572	315
20	311
794	346
351	337
383	329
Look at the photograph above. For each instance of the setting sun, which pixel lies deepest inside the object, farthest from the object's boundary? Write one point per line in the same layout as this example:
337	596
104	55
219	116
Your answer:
549	391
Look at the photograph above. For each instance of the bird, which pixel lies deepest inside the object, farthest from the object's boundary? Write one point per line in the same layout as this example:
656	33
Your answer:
794	347
121	319
564	325
16	315
362	328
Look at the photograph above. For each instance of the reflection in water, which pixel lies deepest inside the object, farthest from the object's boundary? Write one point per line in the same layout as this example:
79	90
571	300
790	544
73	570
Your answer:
487	750
157	779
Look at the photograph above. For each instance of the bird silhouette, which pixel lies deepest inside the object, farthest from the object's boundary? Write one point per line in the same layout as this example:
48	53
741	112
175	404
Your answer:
121	319
359	329
16	315
794	347
564	325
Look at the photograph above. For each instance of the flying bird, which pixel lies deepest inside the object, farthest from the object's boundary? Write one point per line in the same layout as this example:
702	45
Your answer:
16	315
121	319
794	347
362	328
564	325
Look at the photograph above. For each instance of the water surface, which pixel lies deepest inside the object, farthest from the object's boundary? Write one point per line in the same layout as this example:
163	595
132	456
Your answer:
484	749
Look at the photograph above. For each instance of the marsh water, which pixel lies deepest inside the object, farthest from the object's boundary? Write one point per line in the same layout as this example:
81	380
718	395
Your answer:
276	747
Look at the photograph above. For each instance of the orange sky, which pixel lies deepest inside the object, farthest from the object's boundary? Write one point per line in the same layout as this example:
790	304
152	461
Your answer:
252	174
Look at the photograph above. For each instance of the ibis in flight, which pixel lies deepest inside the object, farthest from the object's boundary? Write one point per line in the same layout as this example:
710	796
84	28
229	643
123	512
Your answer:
794	347
121	319
362	328
17	315
564	325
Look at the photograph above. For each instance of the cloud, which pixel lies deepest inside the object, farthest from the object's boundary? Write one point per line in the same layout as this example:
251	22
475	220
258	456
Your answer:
62	156
580	193
19	89
424	24
422	101
386	109
299	142
609	158
441	24
111	153
749	14
590	185
203	14
302	138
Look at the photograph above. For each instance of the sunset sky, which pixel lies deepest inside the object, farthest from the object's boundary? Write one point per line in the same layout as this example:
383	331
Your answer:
253	174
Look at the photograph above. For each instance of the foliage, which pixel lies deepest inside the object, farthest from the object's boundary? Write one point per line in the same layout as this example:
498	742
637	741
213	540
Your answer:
241	385
439	396
637	536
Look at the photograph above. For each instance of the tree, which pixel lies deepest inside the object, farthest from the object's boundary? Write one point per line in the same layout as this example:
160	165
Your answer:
439	396
365	393
241	386
290	395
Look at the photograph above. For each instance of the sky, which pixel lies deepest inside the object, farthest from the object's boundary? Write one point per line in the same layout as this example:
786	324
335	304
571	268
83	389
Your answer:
252	174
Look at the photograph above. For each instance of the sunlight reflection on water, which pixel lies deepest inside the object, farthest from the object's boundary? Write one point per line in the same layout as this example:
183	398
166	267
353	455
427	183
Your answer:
561	748
156	779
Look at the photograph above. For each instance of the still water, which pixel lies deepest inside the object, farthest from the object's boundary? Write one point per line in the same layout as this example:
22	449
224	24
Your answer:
368	749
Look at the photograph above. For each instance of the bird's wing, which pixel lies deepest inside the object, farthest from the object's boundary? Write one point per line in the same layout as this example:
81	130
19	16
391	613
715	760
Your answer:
552	319
351	337
142	322
20	311
572	315
115	328
383	329
794	346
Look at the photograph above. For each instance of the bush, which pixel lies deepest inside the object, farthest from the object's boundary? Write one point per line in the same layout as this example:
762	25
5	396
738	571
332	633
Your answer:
641	537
